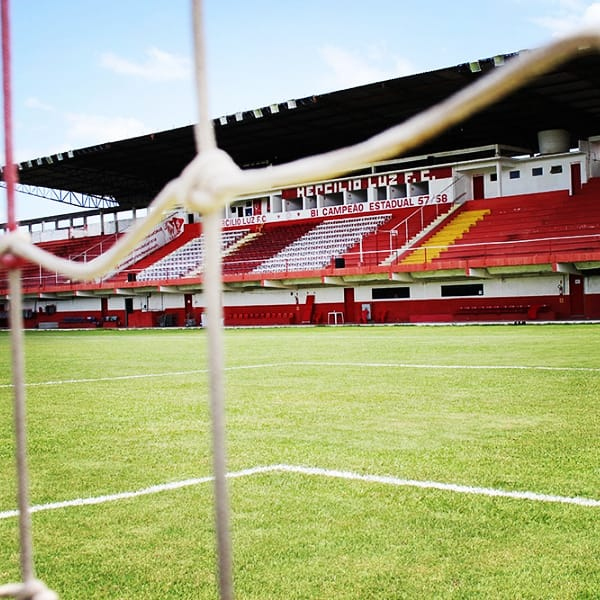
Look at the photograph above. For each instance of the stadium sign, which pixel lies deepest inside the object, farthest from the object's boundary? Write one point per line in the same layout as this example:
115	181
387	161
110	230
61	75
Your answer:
339	210
370	181
166	231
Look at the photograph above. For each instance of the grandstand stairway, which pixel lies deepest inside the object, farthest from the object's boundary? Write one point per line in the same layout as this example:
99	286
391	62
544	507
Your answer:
441	239
404	230
376	247
543	227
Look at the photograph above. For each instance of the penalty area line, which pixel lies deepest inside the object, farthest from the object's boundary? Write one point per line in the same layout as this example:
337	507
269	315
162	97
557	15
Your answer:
436	485
450	367
166	374
320	364
154	489
318	472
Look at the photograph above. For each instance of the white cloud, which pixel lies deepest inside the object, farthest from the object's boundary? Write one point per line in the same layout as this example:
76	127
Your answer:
568	15
37	104
591	15
349	69
158	66
86	130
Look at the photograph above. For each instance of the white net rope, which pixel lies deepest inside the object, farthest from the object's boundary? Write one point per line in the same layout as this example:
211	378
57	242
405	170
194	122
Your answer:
205	186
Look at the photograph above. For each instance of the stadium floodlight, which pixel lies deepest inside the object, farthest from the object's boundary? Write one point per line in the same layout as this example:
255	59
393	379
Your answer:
474	66
239	116
274	108
498	60
258	113
223	120
291	104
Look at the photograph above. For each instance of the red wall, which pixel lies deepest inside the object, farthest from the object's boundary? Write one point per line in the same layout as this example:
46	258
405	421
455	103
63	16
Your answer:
526	308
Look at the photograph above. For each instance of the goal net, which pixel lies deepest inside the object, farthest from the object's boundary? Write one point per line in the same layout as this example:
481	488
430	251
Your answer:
205	186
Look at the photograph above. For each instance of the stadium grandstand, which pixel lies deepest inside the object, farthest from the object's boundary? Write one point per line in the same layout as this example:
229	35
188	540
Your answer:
496	219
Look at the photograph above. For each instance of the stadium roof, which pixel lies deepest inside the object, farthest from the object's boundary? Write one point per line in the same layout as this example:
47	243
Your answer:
132	171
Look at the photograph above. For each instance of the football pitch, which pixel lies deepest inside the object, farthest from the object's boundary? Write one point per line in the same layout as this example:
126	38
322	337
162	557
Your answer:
365	462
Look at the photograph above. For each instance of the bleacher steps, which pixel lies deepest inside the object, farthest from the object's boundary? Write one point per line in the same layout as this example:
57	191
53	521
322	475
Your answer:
393	257
241	242
445	237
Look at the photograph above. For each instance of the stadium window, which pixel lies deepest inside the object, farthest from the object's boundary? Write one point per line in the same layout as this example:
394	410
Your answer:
390	293
556	169
419	189
493	176
514	174
537	171
464	289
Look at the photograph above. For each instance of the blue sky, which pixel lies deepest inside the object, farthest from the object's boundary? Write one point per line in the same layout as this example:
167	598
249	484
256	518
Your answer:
92	71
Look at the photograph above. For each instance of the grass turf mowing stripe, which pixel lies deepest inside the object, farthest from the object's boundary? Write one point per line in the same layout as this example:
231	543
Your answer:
315	471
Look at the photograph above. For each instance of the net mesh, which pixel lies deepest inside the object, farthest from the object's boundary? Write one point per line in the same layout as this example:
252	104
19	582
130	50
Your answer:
205	186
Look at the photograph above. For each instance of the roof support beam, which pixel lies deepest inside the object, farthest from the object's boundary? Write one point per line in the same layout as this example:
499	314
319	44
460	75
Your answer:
402	276
169	289
566	268
274	283
131	292
328	280
67	197
478	273
86	294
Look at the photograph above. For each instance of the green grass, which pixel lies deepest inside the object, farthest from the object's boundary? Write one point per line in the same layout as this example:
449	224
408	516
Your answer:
112	411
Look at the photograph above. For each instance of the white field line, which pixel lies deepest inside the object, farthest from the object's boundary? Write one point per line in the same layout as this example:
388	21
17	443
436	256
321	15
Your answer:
315	471
448	487
437	366
136	376
381	365
154	489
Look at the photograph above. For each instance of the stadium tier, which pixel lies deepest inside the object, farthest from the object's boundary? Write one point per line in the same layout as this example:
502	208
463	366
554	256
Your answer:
464	241
495	220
